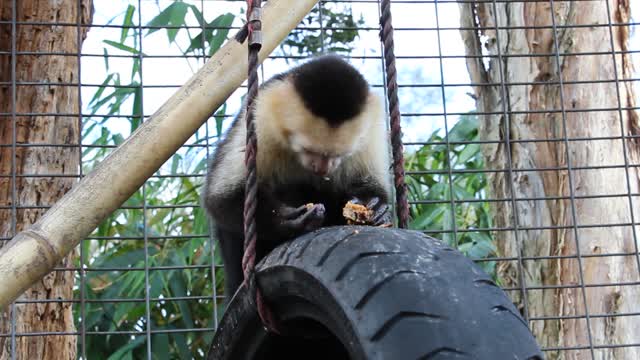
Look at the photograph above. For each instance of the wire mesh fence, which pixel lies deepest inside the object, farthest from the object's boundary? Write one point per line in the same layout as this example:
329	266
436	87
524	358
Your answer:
521	134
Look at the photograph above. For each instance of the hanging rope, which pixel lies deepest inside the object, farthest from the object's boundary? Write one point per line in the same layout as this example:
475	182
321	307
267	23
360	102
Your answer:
386	36
254	27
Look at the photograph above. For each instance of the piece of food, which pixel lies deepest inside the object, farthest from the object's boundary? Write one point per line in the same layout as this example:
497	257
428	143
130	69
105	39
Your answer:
357	214
309	206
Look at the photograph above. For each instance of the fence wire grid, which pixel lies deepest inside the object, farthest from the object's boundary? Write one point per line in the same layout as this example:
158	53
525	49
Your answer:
557	232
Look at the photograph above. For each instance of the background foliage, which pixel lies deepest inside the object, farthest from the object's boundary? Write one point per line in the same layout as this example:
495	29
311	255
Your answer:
163	225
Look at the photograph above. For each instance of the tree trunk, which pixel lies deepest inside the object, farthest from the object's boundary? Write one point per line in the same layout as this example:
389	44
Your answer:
34	192
562	275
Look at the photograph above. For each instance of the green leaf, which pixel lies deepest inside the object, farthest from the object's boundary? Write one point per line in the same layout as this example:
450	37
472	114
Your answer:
105	56
117	139
197	43
126	350
137	109
219	116
94	315
448	222
123	259
119	95
136	287
220	35
173	15
178	288
464	130
101	88
127	23
468	152
122	47
439	191
200	166
181	345
135	70
428	217
461	193
175	163
198	15
484	245
160	346
464	248
155	284
158	219
126	311
214	34
479	250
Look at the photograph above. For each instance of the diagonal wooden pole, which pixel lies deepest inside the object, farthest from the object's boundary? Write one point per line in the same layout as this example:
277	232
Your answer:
33	253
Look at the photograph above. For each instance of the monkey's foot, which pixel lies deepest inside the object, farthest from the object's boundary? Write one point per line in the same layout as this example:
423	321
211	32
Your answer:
372	212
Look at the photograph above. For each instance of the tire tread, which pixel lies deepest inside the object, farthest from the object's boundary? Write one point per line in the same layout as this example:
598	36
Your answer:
446	297
402	316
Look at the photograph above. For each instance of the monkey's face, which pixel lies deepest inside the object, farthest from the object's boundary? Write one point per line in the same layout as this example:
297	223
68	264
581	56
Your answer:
321	164
318	145
312	157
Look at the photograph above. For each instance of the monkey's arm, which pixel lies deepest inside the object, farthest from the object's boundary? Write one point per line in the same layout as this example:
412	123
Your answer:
285	221
276	220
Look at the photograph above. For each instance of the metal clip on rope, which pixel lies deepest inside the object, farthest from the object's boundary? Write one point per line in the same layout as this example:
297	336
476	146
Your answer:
255	28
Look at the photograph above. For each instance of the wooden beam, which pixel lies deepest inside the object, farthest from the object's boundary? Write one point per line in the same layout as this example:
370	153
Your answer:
33	253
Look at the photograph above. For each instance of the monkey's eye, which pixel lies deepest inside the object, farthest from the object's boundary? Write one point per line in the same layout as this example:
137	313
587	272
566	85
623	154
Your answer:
320	154
311	152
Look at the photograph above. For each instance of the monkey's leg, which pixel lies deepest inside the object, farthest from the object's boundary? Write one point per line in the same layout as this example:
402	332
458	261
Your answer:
231	245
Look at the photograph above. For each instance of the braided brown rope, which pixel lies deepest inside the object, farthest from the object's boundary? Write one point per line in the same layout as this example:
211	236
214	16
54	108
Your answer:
386	36
254	26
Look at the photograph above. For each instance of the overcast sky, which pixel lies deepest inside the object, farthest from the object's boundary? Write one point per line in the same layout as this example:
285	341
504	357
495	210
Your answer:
176	71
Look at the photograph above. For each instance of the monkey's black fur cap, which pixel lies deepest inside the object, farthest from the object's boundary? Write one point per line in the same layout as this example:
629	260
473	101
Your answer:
331	88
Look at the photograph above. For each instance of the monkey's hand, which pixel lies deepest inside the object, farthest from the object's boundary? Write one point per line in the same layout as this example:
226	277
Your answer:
380	212
291	221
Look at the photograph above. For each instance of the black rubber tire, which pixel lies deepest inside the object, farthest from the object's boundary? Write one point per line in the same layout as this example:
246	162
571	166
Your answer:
371	293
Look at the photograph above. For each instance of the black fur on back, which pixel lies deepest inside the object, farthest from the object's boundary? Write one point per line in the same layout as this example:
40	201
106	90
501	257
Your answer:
331	88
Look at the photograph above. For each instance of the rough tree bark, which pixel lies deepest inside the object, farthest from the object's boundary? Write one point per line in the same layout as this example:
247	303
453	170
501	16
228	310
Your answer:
535	87
58	130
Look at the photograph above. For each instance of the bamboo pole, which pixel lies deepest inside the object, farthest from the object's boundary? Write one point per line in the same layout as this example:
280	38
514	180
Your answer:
33	253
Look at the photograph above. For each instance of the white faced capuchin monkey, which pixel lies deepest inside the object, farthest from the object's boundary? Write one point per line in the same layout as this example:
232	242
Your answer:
322	142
